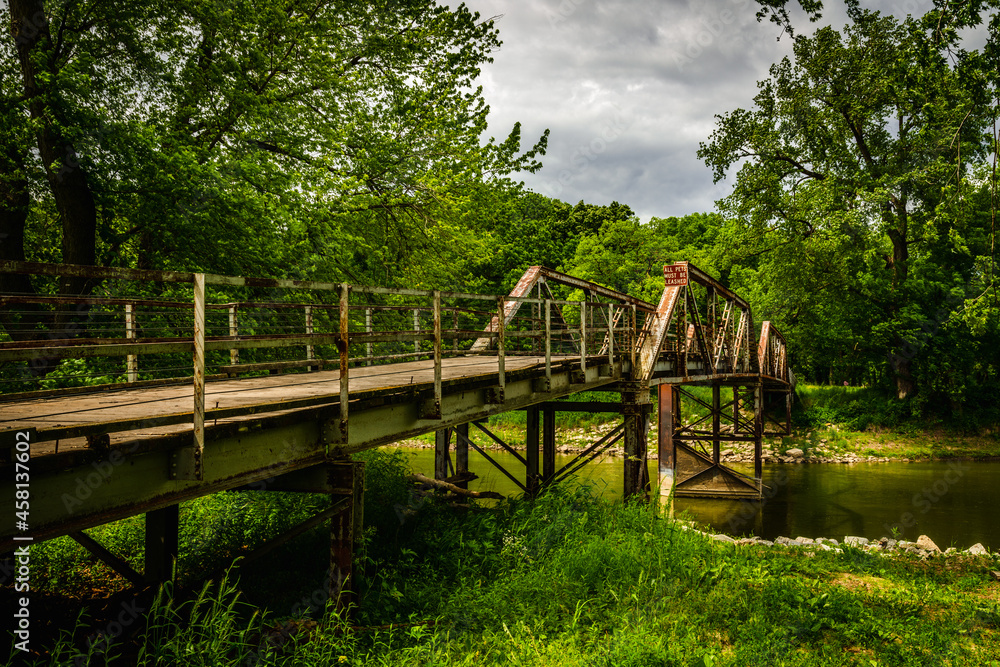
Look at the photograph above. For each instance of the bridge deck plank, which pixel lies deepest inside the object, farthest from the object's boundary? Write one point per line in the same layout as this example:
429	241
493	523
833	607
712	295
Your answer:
151	402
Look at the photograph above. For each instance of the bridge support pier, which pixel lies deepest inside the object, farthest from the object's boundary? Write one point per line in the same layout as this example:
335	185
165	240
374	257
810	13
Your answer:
458	473
344	482
462	456
162	530
532	480
635	411
690	456
442	457
346	528
667	423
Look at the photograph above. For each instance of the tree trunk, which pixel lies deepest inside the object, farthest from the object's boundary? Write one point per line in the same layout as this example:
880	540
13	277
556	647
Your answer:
67	179
902	366
14	202
901	357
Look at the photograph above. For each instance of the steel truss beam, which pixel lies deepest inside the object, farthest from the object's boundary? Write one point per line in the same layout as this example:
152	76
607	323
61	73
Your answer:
687	472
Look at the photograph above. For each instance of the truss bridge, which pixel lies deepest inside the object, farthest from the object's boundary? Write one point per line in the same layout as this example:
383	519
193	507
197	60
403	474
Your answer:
158	387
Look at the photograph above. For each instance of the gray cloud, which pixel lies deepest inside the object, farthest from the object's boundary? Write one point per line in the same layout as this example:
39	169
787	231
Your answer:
629	88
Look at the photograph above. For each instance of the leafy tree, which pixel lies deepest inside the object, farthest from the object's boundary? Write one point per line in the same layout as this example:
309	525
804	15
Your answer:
339	138
851	212
627	255
522	229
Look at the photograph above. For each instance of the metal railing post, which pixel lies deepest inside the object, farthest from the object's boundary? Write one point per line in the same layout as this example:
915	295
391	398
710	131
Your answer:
416	327
501	347
583	336
611	336
186	462
369	351
548	342
310	350
633	338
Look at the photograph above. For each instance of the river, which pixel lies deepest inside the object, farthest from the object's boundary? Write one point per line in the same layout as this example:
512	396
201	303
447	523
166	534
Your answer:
955	503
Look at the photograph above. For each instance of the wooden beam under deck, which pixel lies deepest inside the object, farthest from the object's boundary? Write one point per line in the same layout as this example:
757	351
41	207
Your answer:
81	487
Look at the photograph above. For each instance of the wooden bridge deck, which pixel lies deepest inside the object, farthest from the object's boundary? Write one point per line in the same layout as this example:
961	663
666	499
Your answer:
136	414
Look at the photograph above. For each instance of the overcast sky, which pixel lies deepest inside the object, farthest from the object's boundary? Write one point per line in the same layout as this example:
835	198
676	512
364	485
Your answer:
629	87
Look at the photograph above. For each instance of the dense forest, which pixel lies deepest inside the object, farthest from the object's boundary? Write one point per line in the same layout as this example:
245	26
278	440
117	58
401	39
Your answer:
345	141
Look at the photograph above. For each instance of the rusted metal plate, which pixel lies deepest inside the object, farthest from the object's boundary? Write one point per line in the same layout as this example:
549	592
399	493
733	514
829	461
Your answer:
656	329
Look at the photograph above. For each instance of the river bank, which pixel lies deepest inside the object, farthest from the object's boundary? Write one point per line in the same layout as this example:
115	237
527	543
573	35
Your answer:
828	444
570	579
567	579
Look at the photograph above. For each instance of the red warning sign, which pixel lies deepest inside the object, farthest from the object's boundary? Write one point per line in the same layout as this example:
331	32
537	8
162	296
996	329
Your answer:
675	274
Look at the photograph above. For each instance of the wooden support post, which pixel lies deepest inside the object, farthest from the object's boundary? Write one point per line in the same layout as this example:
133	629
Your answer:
344	346
310	350
634	398
668	419
548	445
462	453
369	353
234	331
758	430
132	360
531	478
162	531
716	422
442	440
583	338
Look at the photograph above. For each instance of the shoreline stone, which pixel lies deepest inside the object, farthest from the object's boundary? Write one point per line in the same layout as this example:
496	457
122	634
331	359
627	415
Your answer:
884	546
927	544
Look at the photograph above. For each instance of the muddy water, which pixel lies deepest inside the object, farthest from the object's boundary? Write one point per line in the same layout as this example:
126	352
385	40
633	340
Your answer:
955	503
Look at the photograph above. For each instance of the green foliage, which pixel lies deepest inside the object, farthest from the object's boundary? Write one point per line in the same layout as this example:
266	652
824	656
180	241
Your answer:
855	408
523	229
628	256
337	140
859	219
569	579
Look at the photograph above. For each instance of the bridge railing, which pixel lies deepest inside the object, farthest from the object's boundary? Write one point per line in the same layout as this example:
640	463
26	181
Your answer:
141	328
603	323
699	326
772	354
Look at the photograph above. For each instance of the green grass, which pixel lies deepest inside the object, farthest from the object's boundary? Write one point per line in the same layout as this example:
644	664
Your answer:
865	422
568	579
